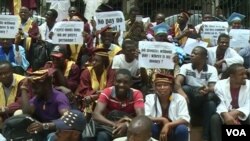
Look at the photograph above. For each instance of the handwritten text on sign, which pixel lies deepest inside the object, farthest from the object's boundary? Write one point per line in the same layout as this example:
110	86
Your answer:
239	38
156	55
8	26
68	32
212	30
114	18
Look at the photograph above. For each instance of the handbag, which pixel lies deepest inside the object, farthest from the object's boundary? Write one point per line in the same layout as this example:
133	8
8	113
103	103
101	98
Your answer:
90	130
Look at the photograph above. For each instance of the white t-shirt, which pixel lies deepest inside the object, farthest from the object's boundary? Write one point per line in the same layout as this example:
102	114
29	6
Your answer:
119	62
198	79
178	108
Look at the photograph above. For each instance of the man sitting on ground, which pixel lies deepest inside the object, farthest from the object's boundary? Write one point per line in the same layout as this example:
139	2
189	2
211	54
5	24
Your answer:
114	104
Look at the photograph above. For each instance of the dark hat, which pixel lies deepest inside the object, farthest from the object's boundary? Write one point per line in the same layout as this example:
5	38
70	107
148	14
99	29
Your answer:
104	8
71	120
105	29
101	52
186	14
159	77
59	51
40	75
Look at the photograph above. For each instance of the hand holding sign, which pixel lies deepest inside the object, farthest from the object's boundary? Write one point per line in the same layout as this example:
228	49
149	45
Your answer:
68	32
115	19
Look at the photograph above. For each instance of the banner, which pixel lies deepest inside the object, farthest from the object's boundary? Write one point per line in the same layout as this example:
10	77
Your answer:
156	55
68	32
239	38
115	19
192	43
8	26
212	30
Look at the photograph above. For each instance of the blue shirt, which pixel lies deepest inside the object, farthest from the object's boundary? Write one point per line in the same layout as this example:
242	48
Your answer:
16	58
245	54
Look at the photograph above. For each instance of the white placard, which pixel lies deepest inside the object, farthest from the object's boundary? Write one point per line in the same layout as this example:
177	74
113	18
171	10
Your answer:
212	30
239	38
115	19
8	26
49	1
68	32
192	43
156	55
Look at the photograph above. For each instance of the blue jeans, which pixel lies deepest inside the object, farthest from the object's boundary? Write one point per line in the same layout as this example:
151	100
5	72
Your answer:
203	106
179	133
103	136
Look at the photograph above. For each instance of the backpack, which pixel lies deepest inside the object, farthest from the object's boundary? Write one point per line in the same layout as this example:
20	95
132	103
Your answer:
14	128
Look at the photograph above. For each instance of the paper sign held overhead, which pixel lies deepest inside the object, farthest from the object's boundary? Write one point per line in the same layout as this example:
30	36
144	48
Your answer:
68	32
192	43
8	26
239	38
156	55
115	19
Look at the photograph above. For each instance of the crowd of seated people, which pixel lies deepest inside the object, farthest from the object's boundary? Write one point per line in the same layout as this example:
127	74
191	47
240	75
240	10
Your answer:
65	86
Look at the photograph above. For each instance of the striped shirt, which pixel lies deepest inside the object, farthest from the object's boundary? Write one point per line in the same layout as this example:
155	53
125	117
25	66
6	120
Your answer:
134	100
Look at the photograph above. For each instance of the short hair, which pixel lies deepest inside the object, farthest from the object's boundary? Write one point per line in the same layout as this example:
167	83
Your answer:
232	69
128	41
5	62
54	13
223	35
203	51
73	7
134	9
105	61
125	72
160	13
142	123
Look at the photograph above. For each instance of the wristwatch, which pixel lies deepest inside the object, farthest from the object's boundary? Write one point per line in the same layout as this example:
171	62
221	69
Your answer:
45	126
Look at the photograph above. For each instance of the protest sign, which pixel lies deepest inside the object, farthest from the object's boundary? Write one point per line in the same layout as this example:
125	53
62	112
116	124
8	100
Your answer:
239	38
67	32
212	30
115	19
156	55
192	43
8	26
49	1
